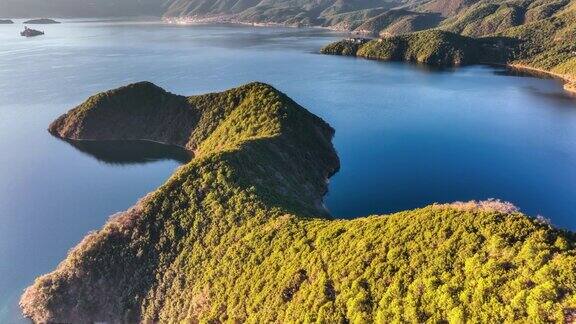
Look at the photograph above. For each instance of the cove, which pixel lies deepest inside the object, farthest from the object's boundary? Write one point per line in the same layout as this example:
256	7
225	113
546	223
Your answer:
406	135
131	152
482	139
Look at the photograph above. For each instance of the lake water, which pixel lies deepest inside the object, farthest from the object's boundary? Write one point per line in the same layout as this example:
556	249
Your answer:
407	136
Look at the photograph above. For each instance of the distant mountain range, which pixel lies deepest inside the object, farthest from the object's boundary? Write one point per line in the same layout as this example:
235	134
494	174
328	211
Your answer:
361	15
384	17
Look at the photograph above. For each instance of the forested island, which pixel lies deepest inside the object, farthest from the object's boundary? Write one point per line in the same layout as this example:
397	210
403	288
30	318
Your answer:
42	21
240	233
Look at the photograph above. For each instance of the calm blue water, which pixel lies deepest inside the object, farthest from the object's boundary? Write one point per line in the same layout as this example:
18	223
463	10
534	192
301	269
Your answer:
407	136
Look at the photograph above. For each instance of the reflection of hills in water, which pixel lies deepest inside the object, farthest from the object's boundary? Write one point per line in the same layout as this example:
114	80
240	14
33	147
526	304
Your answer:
518	72
556	95
131	152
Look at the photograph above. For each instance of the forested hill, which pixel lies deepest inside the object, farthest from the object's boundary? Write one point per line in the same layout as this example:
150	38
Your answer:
385	17
344	14
239	233
534	34
360	15
366	16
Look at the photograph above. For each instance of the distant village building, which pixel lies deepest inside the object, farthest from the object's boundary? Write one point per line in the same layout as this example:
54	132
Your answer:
357	40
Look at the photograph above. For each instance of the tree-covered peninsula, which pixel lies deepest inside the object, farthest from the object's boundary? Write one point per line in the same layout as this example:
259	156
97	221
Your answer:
433	47
239	234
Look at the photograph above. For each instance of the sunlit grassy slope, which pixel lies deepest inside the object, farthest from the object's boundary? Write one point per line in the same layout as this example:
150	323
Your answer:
239	234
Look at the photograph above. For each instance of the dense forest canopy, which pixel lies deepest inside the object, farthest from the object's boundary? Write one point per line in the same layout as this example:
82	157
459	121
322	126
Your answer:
239	234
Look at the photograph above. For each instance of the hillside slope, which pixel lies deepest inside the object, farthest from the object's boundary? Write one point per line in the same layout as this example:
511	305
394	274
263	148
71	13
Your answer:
239	233
548	44
432	47
289	12
535	35
429	47
363	15
486	17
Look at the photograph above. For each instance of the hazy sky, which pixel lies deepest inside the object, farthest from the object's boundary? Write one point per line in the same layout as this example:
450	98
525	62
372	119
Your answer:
79	8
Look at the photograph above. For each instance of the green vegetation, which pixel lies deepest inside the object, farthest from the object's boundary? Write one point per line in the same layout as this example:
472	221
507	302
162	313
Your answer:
348	47
433	47
340	14
548	44
351	20
239	233
474	18
485	18
545	31
430	47
397	22
537	35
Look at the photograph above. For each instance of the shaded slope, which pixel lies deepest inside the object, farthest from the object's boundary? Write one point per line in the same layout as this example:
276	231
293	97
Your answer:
138	111
238	234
